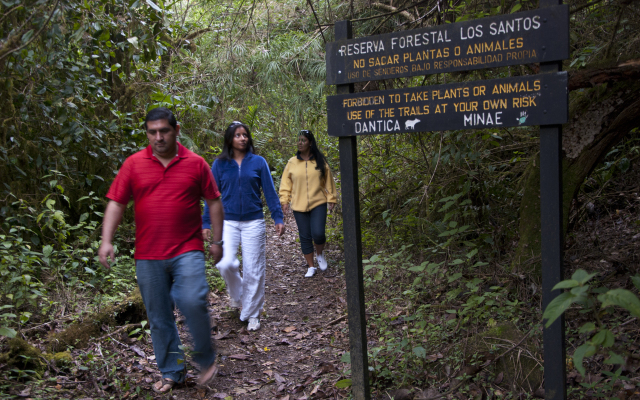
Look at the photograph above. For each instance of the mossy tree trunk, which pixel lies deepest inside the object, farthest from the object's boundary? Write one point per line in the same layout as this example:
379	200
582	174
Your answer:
600	116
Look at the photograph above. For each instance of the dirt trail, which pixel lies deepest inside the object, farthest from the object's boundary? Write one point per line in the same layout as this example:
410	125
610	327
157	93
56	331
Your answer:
296	352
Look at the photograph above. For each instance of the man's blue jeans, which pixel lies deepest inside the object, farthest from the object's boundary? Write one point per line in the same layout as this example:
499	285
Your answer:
180	280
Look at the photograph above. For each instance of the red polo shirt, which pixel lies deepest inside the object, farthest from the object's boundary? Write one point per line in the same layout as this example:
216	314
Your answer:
166	201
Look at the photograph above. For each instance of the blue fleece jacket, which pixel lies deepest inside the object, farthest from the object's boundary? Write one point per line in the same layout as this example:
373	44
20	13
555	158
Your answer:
240	188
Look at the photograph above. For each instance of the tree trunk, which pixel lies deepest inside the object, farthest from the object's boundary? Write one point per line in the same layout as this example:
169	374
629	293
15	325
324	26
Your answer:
599	118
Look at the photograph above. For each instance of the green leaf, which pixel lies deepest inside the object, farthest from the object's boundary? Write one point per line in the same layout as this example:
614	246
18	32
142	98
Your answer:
557	306
621	298
27	36
636	281
614	359
153	5
420	352
8	332
454	277
47	250
115	67
579	290
624	165
588	327
472	253
346	358
446	206
479	264
566	284
345	383
581	352
516	8
133	40
448	233
582	276
457	261
604	338
418	268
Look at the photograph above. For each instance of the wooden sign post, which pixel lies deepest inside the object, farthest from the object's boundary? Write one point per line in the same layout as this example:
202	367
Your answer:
552	244
540	35
353	249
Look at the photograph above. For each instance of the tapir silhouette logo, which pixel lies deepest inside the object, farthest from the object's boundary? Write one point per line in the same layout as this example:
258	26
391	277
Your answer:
411	124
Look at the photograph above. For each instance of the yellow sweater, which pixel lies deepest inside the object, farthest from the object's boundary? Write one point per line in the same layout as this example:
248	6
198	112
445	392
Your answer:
302	185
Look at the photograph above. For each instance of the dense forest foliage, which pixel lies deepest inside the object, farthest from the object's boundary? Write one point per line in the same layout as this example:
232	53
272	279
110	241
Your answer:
450	218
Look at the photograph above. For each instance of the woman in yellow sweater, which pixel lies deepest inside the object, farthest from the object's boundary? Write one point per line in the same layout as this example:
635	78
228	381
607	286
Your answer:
308	185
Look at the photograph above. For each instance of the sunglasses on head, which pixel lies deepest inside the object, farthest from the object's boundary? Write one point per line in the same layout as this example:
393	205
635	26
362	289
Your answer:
235	123
305	131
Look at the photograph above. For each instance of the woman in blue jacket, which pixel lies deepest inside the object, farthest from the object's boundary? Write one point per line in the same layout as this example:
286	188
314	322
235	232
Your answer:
241	175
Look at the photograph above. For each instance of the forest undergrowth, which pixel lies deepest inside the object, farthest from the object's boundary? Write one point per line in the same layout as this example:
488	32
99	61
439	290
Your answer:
440	326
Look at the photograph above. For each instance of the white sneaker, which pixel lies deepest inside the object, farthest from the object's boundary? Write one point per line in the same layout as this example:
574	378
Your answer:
310	272
235	303
322	262
254	324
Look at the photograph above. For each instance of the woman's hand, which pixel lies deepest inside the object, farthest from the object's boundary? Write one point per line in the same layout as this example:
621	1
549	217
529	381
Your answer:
206	234
285	208
332	206
280	229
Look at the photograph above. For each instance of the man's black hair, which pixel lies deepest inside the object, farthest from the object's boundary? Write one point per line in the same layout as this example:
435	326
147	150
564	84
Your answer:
161	113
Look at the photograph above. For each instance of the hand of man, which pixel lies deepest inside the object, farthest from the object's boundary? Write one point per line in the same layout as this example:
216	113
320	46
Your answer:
280	229
331	206
285	208
206	234
216	252
106	250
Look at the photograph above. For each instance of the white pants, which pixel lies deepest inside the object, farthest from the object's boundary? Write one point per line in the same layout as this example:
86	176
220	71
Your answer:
248	288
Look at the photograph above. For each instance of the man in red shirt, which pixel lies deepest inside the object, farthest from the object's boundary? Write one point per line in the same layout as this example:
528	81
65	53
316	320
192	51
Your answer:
166	182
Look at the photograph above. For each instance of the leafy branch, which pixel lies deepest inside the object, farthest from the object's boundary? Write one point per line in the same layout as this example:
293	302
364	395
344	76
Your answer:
4	52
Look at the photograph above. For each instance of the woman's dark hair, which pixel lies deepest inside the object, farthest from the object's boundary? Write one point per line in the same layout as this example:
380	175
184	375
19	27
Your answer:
227	148
321	160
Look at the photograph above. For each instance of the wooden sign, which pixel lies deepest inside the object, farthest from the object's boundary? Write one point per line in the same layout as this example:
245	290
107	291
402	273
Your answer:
519	101
540	35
